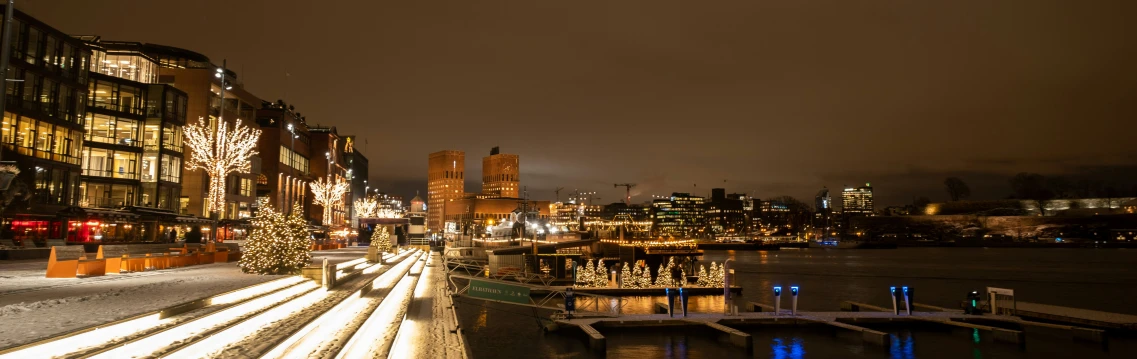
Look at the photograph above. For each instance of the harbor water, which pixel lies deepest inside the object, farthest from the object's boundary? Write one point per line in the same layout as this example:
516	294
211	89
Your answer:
1098	279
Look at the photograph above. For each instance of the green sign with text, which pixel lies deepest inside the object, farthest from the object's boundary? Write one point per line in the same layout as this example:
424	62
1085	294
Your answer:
499	291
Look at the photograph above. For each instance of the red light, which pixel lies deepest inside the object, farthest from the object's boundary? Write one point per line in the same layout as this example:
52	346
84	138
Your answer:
92	223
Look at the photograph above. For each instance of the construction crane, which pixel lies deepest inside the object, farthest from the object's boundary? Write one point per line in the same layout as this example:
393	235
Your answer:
628	192
558	192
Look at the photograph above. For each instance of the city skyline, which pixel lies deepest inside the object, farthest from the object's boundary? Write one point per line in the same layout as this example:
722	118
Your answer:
752	104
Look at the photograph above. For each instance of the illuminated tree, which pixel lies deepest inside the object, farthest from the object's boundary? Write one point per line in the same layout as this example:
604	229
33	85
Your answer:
329	195
586	276
220	153
600	280
715	276
631	279
644	280
278	243
663	276
366	207
703	278
381	241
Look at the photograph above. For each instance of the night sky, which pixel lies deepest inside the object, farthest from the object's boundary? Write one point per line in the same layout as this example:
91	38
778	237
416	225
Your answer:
772	97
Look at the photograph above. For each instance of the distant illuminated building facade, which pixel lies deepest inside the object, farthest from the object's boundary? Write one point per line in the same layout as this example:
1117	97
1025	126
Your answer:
682	215
500	175
445	173
727	214
823	203
857	201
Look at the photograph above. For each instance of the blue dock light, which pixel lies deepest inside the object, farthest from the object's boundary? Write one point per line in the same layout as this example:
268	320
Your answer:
895	300
793	292
777	300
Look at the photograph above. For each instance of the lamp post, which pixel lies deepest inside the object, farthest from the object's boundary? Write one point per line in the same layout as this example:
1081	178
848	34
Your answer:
215	215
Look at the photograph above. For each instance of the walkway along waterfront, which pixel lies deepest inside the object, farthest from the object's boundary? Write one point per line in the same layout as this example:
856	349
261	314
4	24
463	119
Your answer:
397	309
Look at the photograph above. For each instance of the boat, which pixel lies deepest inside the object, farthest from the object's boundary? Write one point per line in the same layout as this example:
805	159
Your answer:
850	244
834	244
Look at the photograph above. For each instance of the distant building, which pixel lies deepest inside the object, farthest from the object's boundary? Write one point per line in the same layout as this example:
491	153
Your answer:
857	201
445	175
726	214
357	175
681	215
328	163
500	175
284	179
897	210
823	203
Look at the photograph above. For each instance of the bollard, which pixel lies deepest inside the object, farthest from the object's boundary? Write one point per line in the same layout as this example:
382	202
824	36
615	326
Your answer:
726	277
895	298
683	299
670	302
908	293
793	293
777	300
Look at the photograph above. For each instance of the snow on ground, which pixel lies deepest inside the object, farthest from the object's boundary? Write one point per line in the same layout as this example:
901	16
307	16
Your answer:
33	307
425	332
263	340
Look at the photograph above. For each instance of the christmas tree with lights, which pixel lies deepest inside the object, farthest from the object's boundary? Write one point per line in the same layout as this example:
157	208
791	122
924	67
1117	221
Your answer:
600	280
644	278
278	243
703	278
682	278
381	241
663	277
586	276
626	279
634	280
715	276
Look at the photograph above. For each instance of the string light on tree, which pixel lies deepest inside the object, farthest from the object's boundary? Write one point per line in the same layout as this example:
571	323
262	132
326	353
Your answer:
632	280
703	278
585	277
366	207
220	153
381	241
278	243
645	277
600	280
329	195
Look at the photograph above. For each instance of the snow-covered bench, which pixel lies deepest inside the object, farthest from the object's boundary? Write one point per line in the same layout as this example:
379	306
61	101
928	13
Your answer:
71	261
134	257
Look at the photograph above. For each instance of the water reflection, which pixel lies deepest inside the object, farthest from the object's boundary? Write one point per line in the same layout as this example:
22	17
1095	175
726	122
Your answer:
792	350
902	346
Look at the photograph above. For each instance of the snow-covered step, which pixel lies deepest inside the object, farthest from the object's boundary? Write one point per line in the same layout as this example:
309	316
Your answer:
255	335
325	335
107	336
375	336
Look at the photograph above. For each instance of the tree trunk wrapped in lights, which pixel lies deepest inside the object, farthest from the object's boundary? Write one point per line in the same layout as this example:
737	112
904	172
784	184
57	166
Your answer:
381	241
366	207
329	195
278	243
220	153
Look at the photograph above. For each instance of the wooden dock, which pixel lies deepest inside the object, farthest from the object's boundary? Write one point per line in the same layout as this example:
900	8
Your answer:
1076	316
